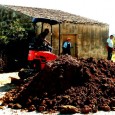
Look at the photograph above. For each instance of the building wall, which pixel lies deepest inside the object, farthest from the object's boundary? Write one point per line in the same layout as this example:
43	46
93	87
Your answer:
91	40
88	40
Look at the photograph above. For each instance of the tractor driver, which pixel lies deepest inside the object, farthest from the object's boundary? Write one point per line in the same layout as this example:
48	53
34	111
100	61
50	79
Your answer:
41	41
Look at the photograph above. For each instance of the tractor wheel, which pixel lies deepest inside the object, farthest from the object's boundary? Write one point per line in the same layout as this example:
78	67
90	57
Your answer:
25	73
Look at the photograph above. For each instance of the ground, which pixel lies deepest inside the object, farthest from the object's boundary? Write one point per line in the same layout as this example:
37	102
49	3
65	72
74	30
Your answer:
113	57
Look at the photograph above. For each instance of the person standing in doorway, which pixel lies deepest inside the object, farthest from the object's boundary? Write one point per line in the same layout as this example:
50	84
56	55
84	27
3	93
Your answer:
110	47
67	47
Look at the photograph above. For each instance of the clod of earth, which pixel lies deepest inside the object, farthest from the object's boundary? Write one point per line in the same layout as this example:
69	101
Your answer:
68	85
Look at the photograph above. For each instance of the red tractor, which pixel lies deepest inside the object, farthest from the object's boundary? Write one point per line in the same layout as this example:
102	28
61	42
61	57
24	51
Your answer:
37	57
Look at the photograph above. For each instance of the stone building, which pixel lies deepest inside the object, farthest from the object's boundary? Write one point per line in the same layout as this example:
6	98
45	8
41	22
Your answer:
88	36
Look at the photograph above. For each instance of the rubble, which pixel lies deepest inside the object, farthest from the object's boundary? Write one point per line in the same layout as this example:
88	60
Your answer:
68	85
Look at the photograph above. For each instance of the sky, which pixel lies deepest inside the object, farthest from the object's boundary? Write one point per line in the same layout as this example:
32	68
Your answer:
100	10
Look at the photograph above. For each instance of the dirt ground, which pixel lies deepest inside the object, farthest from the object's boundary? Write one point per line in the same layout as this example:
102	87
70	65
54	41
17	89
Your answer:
5	85
113	56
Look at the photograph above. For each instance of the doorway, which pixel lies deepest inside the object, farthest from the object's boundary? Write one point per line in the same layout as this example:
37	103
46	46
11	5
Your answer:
74	49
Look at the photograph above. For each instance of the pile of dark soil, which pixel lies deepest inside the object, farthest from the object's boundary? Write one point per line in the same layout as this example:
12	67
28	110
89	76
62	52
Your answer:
68	85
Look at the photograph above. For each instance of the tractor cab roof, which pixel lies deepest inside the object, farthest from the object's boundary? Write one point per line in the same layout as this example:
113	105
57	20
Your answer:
45	20
49	21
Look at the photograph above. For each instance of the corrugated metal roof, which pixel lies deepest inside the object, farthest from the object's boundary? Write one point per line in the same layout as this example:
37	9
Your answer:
53	14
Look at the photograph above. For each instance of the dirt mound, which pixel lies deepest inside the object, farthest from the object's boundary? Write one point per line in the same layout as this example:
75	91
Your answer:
68	85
